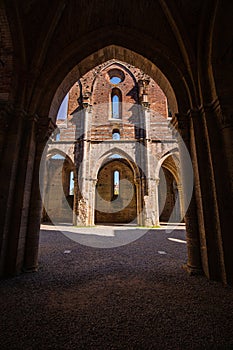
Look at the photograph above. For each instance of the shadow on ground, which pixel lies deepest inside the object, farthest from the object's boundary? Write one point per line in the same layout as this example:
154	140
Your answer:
135	296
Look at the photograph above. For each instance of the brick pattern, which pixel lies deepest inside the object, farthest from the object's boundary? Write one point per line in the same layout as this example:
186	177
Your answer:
90	107
96	87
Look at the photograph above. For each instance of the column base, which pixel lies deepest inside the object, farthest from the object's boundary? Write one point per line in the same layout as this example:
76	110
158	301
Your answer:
192	270
30	269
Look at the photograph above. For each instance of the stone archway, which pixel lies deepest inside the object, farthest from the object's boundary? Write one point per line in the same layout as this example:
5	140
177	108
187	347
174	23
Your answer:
58	196
165	43
116	199
168	192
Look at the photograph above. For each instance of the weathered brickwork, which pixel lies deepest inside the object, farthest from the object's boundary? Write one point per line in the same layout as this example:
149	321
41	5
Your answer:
136	131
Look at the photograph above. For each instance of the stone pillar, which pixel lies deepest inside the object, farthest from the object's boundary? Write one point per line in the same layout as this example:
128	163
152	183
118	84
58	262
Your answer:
208	198
219	125
83	164
194	264
6	114
156	189
13	162
18	158
22	204
44	129
92	194
75	198
181	199
227	196
137	184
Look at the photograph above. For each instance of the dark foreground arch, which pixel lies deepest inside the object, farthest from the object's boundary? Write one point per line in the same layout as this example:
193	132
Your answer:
187	61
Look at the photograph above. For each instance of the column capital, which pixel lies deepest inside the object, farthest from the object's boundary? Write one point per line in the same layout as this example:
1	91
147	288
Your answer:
180	121
181	126
86	99
145	104
8	112
195	113
155	180
213	108
44	128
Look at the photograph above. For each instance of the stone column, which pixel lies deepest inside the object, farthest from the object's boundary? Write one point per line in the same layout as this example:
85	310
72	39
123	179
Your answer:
44	129
11	201
219	126
181	200
210	210
83	217
6	114
227	195
21	205
194	264
75	198
156	187
92	194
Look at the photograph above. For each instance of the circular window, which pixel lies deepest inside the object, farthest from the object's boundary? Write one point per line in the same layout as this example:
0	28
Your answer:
115	76
115	80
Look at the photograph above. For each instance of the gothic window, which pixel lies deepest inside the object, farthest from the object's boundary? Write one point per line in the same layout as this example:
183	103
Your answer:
58	156
116	99
116	184
71	185
115	76
57	137
116	134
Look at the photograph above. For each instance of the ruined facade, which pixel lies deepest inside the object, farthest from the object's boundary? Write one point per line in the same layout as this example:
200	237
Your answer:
117	136
185	46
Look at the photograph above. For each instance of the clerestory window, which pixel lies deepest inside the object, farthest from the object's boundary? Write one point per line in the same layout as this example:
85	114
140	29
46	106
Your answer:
116	99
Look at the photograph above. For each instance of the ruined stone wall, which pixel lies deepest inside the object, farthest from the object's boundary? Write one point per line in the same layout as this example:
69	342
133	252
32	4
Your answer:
95	88
57	200
142	124
167	196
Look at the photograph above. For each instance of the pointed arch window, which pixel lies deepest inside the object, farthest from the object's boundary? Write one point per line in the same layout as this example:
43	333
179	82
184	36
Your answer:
71	183
116	184
58	135
116	99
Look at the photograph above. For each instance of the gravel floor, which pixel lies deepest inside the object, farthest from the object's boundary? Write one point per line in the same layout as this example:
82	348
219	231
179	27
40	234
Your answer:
129	297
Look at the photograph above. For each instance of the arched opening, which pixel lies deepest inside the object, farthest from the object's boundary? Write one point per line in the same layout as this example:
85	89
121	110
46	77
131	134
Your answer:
126	55
116	184
170	193
64	91
93	127
116	100
58	195
172	42
57	135
116	134
116	76
116	199
169	202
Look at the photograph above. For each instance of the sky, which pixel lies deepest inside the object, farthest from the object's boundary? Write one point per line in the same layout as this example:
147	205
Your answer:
62	113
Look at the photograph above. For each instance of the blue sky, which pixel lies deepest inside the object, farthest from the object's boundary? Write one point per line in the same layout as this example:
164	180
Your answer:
62	113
